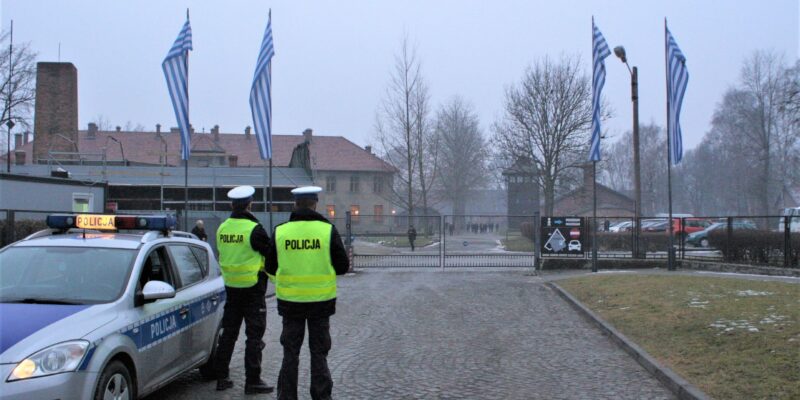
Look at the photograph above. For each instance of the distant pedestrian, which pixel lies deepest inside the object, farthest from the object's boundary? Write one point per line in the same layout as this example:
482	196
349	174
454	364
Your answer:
451	227
199	230
412	236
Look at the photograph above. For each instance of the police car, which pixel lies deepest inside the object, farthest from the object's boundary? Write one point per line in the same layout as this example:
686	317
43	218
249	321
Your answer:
89	312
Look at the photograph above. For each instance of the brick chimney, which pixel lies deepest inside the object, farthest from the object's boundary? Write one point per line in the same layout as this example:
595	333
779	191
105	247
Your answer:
233	160
588	177
368	149
19	157
17	140
174	129
247	132
25	137
158	128
215	132
91	133
56	109
307	135
119	128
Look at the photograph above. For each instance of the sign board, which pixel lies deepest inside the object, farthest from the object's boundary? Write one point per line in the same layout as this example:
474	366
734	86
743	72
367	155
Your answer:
563	235
99	222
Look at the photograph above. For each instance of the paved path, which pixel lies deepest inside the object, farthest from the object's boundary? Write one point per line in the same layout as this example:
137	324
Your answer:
453	335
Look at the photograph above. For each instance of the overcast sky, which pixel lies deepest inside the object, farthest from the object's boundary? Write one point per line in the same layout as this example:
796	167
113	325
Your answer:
333	58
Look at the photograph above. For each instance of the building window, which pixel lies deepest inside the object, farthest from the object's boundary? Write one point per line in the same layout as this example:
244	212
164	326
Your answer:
354	212
354	183
377	184
331	210
330	184
378	213
82	202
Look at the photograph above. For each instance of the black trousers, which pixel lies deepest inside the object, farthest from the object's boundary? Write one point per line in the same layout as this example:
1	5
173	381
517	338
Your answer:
319	343
248	305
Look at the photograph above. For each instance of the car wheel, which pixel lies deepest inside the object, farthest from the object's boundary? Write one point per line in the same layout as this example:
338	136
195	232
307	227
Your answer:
115	383
704	242
207	370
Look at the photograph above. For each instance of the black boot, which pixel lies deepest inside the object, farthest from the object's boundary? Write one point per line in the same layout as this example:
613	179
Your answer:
223	384
257	387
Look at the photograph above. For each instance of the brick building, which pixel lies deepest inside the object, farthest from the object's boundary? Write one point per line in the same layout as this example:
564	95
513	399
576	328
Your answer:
579	202
144	170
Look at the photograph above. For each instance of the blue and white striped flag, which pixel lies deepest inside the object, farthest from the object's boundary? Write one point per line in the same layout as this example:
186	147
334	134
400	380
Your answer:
599	52
261	94
677	79
176	70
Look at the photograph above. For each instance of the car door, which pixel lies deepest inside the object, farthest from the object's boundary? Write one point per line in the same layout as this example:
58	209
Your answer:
159	322
192	271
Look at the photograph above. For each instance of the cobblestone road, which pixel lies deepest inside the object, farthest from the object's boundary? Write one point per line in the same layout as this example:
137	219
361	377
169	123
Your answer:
452	335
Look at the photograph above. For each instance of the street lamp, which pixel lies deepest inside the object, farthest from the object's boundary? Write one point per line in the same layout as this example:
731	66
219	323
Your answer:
619	51
121	149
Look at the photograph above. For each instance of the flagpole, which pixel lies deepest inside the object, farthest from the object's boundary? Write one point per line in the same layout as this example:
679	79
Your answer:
269	71
593	225
186	162
671	249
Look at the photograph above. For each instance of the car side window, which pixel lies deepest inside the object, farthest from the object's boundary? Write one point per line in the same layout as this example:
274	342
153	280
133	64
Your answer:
187	265
156	268
202	257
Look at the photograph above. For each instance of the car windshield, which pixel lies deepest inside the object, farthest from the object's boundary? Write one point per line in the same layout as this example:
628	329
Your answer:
63	275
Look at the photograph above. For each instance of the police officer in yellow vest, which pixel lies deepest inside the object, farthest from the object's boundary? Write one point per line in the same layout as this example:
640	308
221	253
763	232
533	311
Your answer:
243	245
307	255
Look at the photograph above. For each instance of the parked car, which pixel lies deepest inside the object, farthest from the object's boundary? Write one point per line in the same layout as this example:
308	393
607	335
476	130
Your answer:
793	212
624	226
700	238
87	314
681	227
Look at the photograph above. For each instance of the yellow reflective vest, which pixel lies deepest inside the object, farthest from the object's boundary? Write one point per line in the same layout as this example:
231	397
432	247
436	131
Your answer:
305	273
238	261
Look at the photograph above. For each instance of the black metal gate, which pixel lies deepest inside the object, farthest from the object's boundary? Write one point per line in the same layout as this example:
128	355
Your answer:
450	241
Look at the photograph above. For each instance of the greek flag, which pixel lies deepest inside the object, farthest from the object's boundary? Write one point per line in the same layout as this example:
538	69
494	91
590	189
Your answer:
599	53
176	70
261	94
677	79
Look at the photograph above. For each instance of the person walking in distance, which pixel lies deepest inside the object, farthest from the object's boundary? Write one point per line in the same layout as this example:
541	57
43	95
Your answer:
306	257
412	236
243	246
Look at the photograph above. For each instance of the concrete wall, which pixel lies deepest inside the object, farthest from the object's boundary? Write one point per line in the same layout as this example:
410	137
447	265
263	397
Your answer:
47	194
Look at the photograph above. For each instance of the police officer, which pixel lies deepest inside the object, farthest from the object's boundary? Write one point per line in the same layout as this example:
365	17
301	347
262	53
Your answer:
307	255
243	245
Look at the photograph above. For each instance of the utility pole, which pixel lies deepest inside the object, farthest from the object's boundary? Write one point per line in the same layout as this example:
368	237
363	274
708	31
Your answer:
9	87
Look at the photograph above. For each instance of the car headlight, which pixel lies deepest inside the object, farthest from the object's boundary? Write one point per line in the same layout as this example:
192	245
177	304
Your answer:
62	357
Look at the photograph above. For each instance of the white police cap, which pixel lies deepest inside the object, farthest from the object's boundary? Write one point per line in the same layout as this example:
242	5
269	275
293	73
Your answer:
309	192
241	192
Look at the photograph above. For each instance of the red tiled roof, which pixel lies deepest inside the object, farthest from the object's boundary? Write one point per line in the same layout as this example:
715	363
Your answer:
329	153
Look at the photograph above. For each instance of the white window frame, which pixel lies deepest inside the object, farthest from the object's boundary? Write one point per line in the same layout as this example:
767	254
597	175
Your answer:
83	196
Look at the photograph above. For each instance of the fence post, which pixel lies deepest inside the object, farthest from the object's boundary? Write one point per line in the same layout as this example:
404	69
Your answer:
787	240
441	242
728	239
12	227
537	237
682	237
348	240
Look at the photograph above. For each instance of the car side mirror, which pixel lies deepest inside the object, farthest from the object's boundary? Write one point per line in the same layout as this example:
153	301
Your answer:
155	290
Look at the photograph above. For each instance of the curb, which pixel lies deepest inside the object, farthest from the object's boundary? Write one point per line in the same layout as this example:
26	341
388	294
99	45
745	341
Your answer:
679	386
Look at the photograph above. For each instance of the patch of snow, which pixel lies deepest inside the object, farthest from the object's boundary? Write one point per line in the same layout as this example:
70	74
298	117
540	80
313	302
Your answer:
616	271
697	303
748	292
727	326
624	308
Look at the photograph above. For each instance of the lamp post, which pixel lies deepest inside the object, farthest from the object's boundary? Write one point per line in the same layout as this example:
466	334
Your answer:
121	149
619	51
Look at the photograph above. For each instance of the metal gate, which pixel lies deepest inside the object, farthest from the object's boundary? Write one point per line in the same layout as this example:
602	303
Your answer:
449	241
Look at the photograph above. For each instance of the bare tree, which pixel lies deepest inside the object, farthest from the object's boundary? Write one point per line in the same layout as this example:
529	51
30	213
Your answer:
548	116
18	89
427	144
464	152
102	122
401	128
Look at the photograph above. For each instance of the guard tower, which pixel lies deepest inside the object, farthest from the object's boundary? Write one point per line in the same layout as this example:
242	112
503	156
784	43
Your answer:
522	183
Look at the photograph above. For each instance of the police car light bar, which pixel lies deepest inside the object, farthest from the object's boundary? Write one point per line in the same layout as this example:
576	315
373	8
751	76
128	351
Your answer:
111	222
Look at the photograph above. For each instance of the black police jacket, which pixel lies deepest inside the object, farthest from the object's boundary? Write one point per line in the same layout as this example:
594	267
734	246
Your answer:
339	259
